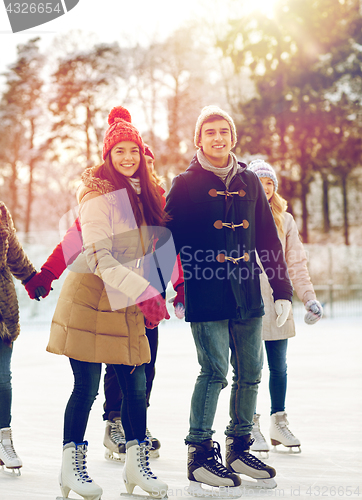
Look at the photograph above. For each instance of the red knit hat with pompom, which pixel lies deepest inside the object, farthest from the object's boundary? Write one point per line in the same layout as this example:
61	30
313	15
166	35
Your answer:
120	129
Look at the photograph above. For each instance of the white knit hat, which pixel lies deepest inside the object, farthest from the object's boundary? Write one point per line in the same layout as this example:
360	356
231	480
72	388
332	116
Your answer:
262	169
206	113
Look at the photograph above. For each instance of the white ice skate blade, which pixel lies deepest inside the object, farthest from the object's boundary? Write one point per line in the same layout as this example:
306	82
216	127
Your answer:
70	498
114	456
141	497
257	484
287	449
10	471
196	490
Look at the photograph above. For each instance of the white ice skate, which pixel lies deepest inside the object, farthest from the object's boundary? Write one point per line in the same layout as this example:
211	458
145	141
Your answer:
259	445
114	440
74	475
8	457
281	434
137	472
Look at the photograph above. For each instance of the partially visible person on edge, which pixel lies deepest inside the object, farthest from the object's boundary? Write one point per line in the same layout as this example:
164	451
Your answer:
100	315
62	256
276	339
219	217
13	262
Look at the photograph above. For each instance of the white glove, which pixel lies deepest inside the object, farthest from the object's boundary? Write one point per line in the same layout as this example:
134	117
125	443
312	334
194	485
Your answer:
315	312
282	308
180	311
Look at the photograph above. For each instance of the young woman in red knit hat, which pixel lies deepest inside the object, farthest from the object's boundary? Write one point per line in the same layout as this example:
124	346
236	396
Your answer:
105	302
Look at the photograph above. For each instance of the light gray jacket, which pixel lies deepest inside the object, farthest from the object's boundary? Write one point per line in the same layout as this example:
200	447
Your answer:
296	260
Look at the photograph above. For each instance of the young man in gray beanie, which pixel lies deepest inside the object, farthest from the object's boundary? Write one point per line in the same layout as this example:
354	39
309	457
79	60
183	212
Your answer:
219	217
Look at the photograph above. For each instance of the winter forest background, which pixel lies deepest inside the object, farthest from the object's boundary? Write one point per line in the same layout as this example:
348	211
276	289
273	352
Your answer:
290	75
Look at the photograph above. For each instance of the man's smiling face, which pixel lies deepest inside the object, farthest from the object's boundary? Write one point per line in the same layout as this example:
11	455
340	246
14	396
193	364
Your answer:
215	142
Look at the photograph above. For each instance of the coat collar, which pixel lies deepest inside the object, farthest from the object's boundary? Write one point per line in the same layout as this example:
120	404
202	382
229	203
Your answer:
235	184
92	183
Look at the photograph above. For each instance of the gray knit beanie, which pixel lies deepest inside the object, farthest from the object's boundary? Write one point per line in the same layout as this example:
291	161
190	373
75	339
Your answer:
206	113
262	169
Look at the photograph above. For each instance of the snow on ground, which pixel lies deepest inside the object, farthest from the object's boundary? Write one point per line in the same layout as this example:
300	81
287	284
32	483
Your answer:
323	403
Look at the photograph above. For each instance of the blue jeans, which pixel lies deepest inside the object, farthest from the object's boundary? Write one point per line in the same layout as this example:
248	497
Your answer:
132	381
5	384
213	340
276	351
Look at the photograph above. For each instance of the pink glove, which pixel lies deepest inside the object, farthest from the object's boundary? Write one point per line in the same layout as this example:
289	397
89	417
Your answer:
153	307
40	284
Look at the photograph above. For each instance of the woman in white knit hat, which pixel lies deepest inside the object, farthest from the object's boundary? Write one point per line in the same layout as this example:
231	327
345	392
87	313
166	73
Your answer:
276	338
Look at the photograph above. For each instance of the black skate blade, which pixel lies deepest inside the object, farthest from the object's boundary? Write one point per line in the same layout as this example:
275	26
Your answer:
196	490
135	496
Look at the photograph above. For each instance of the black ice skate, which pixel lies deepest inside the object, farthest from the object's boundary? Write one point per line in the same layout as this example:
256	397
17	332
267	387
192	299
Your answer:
155	445
239	460
114	440
205	466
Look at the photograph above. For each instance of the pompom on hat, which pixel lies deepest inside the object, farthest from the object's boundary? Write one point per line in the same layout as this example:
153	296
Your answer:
262	169
120	129
206	113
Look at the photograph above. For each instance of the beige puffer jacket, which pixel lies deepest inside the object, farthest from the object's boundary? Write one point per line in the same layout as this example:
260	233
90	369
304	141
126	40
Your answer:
13	261
297	267
96	319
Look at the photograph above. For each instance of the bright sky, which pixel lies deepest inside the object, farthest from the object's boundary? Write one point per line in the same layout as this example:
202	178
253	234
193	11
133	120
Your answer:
140	21
111	20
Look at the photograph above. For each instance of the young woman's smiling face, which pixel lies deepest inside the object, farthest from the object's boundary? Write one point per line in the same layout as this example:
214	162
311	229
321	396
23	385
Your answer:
268	186
126	157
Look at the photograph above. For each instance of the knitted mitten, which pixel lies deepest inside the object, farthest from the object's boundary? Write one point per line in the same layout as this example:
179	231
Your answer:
40	284
153	306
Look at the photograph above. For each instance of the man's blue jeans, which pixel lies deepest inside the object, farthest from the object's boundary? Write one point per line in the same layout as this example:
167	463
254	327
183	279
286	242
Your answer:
132	381
213	340
5	384
276	351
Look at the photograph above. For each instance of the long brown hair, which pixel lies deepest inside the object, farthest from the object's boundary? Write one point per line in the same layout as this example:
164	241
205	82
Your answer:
278	207
150	196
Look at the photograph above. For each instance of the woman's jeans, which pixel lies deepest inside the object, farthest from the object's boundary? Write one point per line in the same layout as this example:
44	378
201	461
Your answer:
86	383
276	351
213	340
5	385
112	390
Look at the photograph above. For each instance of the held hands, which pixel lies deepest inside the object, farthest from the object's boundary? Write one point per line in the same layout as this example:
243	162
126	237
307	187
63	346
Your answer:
282	308
314	312
40	284
153	307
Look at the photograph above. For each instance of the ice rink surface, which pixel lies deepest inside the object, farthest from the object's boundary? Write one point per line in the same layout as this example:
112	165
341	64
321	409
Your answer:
324	406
